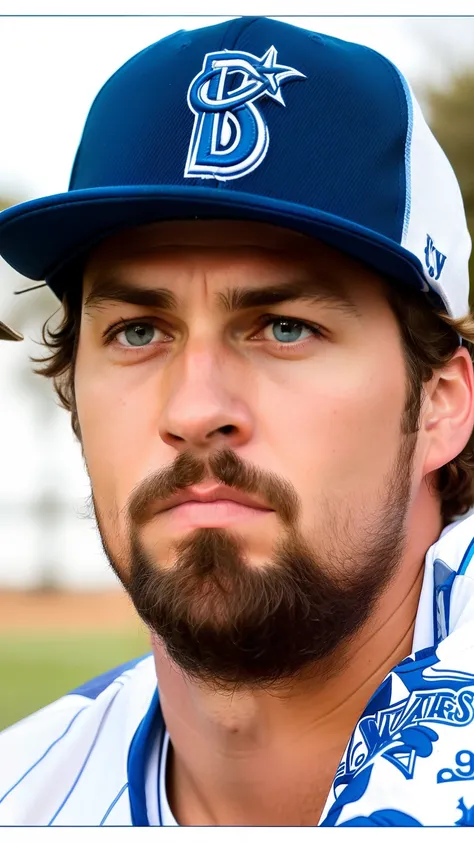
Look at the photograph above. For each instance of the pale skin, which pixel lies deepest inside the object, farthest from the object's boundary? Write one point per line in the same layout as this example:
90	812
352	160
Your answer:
324	412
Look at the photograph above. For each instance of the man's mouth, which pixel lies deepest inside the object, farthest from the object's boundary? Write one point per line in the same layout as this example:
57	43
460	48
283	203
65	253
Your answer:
213	505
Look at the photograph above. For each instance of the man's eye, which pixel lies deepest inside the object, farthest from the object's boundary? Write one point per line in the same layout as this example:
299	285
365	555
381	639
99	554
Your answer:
138	334
288	331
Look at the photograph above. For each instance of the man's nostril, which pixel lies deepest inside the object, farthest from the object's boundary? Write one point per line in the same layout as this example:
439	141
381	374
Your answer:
227	429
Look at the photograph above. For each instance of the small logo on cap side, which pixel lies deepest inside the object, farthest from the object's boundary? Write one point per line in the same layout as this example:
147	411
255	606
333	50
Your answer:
434	259
230	136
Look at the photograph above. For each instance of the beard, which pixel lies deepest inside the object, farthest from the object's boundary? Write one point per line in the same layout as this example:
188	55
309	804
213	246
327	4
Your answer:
227	623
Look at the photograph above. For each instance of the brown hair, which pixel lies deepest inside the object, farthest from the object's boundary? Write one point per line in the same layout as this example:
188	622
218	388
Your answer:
430	338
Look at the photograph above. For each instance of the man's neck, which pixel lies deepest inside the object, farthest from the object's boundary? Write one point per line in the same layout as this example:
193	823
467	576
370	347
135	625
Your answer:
269	757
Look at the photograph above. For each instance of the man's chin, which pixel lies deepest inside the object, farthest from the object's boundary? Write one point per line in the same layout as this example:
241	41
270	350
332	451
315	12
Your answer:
166	550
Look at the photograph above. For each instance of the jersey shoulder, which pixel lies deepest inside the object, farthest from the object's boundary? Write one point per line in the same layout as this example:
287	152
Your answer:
56	755
93	687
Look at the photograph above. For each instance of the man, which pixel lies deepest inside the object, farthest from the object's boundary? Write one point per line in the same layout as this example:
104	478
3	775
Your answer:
266	351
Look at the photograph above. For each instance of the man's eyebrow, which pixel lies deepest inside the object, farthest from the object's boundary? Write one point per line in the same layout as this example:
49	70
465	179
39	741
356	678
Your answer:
311	291
109	290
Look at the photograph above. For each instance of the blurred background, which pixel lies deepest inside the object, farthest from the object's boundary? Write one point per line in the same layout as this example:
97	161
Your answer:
63	616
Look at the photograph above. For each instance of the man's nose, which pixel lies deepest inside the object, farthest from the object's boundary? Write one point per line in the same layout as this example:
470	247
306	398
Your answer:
205	405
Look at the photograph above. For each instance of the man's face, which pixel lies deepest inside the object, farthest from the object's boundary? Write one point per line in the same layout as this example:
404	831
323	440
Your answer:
236	356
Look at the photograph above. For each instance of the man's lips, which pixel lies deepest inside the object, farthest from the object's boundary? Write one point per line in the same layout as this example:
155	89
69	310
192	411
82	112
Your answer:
210	506
209	494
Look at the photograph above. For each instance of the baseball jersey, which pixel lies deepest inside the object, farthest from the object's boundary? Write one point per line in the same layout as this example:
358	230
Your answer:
97	756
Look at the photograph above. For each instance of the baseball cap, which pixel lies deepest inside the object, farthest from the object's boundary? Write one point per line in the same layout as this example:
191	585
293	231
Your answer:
257	119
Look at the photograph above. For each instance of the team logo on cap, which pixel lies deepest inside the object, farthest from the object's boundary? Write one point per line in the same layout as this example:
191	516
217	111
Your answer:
230	136
434	259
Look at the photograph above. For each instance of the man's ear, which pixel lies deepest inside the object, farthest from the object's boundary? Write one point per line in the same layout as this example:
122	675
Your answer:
447	414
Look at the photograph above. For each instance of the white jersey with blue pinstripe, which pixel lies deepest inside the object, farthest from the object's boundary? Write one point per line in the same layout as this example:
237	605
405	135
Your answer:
94	756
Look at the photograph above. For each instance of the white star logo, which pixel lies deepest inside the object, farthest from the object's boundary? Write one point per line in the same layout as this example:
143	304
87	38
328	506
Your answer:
276	74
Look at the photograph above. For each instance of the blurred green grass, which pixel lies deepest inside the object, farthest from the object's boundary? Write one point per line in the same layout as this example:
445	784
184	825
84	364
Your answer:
39	667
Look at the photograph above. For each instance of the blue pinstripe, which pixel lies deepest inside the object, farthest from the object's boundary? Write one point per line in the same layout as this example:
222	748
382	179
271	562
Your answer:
467	558
44	754
119	794
72	788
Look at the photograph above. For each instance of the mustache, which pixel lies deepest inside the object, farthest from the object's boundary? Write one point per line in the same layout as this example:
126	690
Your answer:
225	467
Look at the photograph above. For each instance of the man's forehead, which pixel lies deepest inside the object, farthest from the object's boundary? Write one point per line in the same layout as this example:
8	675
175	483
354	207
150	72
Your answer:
203	233
249	265
130	254
257	264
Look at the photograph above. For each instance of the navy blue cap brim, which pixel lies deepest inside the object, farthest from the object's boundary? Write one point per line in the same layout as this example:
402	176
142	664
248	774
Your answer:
43	238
